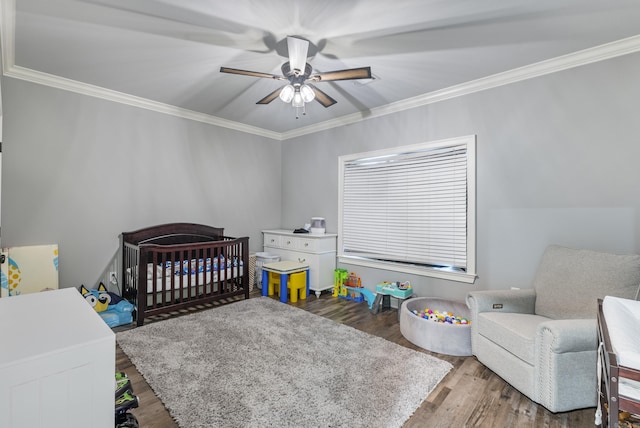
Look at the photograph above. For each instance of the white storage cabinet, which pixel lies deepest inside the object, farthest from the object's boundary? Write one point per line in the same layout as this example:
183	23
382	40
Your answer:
57	362
318	251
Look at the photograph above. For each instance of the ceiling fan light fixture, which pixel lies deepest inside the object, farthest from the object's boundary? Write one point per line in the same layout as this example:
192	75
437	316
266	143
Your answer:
307	93
287	93
297	100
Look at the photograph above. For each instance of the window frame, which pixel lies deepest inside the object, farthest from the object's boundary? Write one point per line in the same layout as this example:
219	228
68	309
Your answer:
467	276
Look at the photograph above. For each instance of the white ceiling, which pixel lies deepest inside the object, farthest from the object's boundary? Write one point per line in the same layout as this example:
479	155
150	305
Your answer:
166	54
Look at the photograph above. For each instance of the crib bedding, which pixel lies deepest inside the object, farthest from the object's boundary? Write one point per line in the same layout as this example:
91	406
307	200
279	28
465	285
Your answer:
189	279
189	273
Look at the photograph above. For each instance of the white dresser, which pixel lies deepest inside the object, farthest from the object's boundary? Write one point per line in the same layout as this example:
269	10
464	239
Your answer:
318	251
57	362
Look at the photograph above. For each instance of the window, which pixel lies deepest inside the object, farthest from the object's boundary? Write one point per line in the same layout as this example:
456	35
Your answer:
410	209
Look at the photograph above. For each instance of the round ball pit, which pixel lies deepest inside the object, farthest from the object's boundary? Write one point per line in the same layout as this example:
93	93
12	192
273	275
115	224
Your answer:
443	338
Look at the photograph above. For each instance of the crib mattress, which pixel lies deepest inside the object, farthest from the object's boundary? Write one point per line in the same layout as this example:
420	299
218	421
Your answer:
623	323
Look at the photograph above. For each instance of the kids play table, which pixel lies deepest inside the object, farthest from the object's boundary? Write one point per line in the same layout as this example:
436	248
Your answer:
284	268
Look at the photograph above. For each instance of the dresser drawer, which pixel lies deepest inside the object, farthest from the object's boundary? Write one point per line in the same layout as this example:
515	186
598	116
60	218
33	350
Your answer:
272	240
288	243
306	244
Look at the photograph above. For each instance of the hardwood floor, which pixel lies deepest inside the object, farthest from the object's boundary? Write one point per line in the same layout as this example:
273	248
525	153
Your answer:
469	396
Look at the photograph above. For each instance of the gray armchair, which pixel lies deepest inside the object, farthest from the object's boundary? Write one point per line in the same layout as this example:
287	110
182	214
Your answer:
543	341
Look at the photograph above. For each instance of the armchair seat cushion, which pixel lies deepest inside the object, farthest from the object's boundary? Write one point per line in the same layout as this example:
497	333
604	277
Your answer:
514	332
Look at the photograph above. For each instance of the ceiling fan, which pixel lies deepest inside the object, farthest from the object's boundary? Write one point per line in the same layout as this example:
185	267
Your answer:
299	89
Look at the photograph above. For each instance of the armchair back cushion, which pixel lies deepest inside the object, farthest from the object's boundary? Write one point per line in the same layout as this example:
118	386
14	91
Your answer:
569	281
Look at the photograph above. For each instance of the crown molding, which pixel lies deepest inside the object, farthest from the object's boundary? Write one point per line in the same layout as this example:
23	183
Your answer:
554	65
7	32
58	82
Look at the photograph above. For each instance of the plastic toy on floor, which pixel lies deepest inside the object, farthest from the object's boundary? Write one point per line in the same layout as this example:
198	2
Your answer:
123	384
126	420
125	401
400	290
349	286
386	290
113	309
339	278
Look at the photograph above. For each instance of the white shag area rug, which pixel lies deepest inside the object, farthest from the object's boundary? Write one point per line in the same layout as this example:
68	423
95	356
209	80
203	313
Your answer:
261	363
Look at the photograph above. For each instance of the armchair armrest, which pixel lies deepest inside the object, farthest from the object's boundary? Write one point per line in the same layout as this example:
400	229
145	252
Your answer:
574	335
566	356
513	301
507	301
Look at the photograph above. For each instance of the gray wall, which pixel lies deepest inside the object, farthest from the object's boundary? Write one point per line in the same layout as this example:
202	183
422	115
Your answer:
78	171
557	162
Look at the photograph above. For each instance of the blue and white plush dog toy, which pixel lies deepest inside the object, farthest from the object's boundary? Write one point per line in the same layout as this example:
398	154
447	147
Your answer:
113	309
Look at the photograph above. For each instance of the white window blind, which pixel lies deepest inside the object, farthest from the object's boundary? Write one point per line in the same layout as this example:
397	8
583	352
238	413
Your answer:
409	206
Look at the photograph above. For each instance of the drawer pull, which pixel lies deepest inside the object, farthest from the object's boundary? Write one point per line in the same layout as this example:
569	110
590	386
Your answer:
288	242
306	244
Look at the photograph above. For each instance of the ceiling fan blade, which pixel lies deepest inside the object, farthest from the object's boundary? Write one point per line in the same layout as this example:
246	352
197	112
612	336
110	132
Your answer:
250	73
177	20
298	49
272	96
352	73
322	97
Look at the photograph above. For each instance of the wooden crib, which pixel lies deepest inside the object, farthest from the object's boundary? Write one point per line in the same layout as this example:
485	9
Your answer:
180	265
